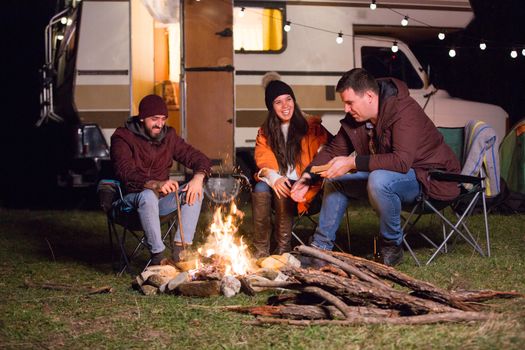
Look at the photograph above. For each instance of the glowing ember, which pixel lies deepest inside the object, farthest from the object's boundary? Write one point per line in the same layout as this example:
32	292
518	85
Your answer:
223	247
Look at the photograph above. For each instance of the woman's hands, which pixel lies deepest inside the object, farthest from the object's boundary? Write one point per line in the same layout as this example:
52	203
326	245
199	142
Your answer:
282	187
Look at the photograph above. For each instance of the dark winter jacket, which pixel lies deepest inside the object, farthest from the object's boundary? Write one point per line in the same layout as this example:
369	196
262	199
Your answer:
137	158
405	138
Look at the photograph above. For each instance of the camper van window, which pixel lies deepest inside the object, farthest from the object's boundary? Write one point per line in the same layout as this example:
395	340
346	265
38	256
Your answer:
258	29
382	62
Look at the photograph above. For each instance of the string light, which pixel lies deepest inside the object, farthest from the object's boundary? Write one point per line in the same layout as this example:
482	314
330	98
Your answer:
63	20
404	22
287	26
60	37
69	21
339	38
395	48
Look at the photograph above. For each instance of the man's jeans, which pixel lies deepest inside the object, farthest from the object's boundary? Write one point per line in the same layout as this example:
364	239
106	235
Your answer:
387	192
149	208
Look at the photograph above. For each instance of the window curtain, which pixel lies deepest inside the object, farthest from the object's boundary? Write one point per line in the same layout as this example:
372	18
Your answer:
272	29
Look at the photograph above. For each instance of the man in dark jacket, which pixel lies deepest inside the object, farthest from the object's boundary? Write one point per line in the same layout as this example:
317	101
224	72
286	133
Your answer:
142	153
387	141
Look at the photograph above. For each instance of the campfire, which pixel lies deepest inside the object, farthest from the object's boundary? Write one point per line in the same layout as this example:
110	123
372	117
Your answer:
222	265
223	250
346	290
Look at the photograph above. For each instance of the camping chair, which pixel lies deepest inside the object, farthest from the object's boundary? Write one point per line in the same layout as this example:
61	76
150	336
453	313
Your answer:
462	207
127	219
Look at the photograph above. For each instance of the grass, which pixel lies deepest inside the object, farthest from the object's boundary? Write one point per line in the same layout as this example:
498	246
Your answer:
71	247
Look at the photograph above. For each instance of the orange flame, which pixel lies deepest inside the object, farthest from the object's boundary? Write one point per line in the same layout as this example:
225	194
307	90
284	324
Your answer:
222	242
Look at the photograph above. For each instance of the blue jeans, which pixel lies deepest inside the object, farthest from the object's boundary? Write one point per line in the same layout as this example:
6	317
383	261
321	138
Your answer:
149	208
387	192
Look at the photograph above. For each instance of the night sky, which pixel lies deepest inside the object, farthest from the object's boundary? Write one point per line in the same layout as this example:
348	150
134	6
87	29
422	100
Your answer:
30	155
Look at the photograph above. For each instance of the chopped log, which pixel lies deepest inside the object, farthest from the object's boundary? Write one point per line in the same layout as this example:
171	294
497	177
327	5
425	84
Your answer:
246	288
200	288
484	295
339	304
334	270
311	312
423	289
363	293
457	316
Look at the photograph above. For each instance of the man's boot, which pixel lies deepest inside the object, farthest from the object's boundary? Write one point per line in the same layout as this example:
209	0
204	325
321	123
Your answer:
391	252
284	213
261	211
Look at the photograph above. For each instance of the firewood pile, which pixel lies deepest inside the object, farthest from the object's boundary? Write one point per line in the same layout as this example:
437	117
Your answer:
351	290
208	278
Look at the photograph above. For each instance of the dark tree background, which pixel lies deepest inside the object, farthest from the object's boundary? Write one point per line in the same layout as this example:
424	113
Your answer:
31	156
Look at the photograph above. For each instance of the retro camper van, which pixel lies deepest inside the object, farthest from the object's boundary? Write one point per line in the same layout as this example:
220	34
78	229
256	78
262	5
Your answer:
207	59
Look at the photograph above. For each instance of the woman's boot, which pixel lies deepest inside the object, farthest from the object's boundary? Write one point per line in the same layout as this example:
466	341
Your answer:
284	213
261	211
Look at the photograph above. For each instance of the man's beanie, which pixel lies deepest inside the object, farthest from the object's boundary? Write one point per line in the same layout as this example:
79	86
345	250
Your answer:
152	105
274	89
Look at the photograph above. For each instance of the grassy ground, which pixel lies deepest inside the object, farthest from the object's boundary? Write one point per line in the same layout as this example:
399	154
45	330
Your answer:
71	247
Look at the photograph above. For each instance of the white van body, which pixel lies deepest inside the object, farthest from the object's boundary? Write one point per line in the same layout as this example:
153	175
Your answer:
312	61
108	80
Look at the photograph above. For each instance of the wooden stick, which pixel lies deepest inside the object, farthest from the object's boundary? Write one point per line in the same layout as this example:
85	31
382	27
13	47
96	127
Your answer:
330	298
311	312
179	217
317	253
458	316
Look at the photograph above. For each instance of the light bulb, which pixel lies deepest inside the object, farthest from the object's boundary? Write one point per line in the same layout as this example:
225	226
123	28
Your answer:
69	21
404	21
482	45
441	36
63	20
241	12
395	48
287	26
339	38
514	54
373	5
452	53
60	37
523	52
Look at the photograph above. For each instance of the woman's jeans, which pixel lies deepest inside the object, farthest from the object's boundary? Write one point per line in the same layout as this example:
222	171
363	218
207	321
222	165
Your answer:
149	208
387	192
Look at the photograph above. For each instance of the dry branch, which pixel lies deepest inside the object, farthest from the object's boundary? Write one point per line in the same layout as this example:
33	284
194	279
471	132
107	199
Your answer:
311	312
484	295
458	316
421	288
66	287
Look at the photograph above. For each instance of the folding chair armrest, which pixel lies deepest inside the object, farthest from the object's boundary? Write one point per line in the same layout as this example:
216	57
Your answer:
108	191
448	176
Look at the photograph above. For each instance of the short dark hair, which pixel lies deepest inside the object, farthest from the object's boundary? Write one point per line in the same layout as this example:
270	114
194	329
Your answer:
359	80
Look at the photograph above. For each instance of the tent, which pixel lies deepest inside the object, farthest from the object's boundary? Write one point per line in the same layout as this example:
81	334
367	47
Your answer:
512	158
512	168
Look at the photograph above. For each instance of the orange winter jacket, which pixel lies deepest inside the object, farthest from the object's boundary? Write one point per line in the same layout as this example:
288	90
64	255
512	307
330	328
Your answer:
316	136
